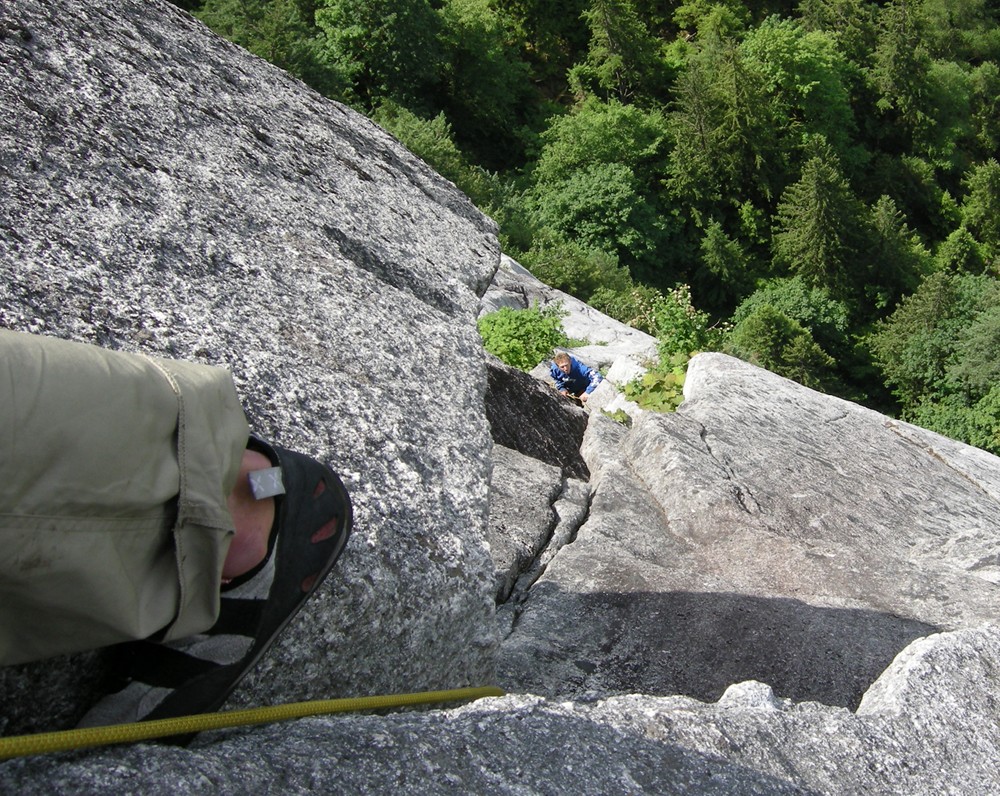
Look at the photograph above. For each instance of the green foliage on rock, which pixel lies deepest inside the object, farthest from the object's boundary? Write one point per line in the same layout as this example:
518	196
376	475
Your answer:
660	389
522	338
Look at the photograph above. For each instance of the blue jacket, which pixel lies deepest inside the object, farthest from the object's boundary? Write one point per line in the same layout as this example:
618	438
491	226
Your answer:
579	380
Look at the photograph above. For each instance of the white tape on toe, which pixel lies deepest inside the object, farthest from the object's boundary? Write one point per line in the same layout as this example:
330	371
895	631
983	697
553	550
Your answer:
266	483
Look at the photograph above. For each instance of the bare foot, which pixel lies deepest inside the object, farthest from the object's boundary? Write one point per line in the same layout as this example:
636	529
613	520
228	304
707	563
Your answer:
253	520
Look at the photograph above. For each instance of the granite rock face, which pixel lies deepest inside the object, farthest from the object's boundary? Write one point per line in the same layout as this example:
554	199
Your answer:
163	191
930	727
763	532
523	492
771	591
532	418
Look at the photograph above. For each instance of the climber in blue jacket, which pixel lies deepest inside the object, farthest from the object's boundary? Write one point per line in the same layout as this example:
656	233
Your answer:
572	377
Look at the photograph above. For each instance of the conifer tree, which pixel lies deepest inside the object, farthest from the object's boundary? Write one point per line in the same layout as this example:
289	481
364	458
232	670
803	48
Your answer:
981	208
851	21
897	259
722	278
901	66
623	61
817	226
959	253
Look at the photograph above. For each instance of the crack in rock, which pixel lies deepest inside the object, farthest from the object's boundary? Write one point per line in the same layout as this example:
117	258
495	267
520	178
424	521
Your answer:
572	508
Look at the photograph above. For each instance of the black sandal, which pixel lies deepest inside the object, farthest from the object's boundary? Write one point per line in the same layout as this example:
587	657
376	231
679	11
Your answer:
196	675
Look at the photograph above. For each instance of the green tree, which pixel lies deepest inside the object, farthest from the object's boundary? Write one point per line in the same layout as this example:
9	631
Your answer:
601	206
384	49
962	30
769	338
487	91
726	132
280	31
723	275
825	318
597	182
623	61
433	142
981	208
984	82
975	365
901	67
600	133
807	78
817	226
976	424
552	35
712	17
916	344
897	259
914	185
851	21
573	268
959	253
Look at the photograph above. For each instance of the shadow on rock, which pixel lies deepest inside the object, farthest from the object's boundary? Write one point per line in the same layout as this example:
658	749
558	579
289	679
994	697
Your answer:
531	418
697	644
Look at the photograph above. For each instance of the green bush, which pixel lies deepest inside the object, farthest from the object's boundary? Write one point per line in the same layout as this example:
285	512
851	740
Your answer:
769	338
522	338
572	268
681	328
661	389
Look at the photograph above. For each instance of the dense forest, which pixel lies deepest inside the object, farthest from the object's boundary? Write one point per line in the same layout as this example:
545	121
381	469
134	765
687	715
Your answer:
812	186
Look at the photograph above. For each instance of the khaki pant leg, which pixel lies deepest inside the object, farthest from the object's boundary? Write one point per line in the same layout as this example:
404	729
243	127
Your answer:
114	472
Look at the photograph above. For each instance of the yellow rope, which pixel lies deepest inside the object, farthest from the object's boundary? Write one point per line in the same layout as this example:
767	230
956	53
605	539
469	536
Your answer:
42	743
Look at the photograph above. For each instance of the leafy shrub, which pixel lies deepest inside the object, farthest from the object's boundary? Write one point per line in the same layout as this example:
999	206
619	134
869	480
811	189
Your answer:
660	389
670	317
620	416
522	338
681	328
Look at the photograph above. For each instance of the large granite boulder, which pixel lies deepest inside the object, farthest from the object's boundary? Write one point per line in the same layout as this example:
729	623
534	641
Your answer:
530	417
164	191
764	531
